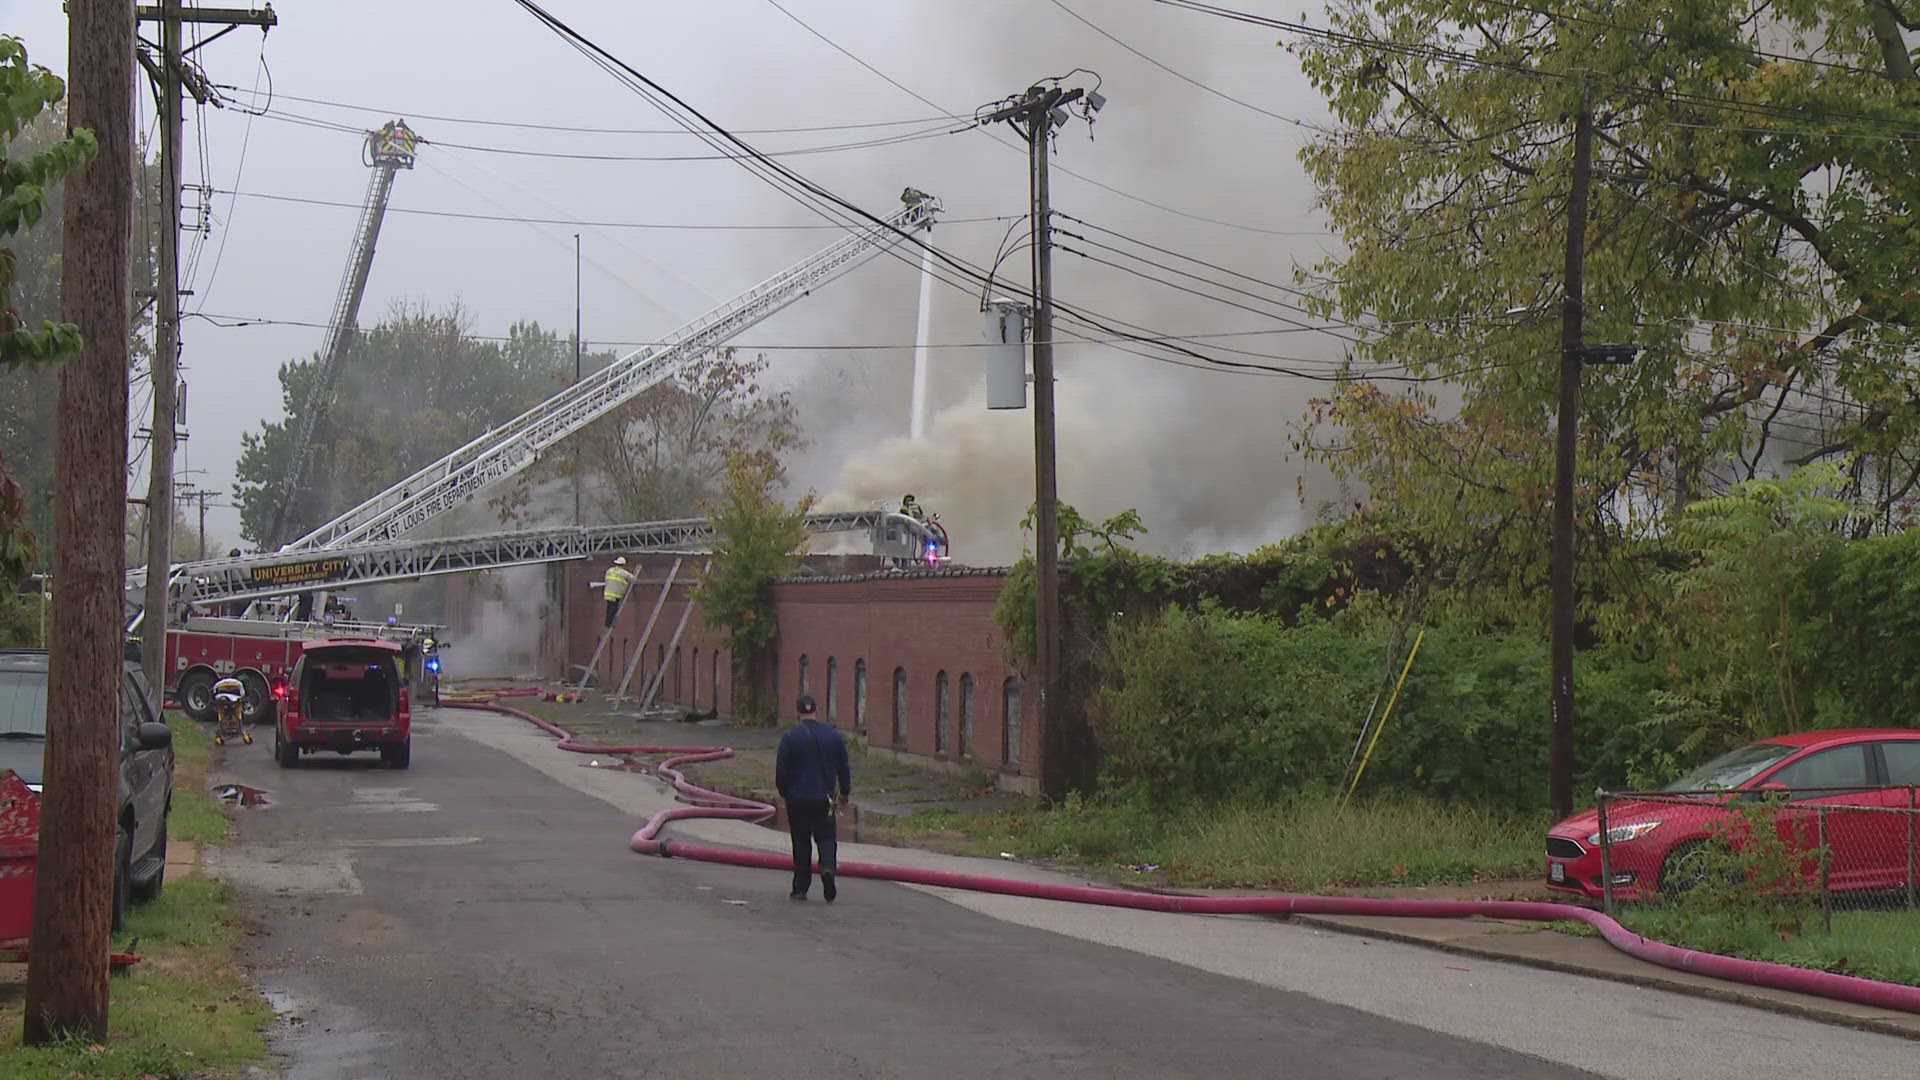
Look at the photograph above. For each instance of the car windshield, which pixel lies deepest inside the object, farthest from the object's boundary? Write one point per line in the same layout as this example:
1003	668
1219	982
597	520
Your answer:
1731	769
23	704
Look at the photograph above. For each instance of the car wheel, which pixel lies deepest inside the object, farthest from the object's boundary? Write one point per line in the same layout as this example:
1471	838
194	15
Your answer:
1688	866
285	753
149	890
196	695
397	757
257	706
122	877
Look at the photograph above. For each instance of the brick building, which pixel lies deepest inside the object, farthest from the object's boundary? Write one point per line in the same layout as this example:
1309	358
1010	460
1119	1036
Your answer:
912	661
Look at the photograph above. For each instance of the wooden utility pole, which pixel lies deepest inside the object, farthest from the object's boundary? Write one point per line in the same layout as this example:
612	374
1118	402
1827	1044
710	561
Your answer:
73	891
170	82
1035	114
166	354
1566	446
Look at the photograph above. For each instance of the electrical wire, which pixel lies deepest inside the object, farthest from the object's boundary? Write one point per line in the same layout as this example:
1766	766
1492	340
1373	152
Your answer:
584	223
246	140
1182	76
572	129
1462	59
563	155
1021	150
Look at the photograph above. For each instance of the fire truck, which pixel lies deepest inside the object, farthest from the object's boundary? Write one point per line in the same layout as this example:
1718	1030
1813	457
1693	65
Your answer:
261	651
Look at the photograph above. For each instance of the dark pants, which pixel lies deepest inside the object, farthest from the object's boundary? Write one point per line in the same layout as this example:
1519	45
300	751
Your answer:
810	821
613	609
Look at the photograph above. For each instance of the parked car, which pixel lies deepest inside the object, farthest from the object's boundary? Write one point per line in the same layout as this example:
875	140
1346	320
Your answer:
1656	844
345	694
146	767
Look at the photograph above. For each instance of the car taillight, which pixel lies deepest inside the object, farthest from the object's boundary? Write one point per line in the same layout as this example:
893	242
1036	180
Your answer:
404	710
280	691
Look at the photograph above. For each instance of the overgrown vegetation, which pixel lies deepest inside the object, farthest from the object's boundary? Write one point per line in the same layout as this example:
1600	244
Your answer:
758	539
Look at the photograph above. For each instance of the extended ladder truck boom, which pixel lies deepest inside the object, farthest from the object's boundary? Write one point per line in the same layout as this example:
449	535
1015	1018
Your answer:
387	150
368	543
506	450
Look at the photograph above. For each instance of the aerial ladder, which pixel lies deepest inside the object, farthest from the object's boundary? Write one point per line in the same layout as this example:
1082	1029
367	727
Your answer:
504	451
387	151
369	543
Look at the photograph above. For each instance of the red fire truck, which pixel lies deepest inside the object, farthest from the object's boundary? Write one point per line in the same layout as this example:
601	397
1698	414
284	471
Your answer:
261	653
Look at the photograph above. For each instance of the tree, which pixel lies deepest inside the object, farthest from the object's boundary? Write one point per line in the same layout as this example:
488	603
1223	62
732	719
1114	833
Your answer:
28	391
757	541
29	167
664	453
413	388
1753	230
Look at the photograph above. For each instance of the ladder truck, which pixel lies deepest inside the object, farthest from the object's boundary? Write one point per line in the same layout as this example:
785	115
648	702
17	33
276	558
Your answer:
387	151
371	543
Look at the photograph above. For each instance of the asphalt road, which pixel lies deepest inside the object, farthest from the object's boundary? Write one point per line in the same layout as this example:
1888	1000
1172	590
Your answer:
479	915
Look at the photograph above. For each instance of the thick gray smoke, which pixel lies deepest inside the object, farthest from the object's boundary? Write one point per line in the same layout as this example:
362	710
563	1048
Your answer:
1205	456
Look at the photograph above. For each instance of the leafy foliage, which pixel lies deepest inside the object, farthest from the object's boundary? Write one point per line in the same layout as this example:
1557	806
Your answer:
665	452
26	89
1211	704
1729	625
1752	230
1862	638
757	541
413	388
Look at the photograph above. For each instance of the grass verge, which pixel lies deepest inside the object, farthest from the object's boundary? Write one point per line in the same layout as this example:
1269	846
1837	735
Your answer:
1308	843
1881	945
185	1010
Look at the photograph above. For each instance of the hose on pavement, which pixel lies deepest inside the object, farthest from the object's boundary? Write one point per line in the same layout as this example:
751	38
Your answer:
704	803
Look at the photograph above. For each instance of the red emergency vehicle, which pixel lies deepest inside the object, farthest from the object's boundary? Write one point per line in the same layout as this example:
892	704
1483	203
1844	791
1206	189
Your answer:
261	654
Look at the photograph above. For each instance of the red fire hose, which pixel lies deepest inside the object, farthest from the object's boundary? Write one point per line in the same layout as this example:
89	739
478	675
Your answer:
704	803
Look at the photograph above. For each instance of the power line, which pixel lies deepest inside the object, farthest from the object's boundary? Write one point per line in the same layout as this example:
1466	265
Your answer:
246	139
1182	76
580	222
1658	36
564	155
572	129
1455	57
896	84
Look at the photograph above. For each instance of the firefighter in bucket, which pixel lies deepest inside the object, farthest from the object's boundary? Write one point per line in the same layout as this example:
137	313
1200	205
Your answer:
229	701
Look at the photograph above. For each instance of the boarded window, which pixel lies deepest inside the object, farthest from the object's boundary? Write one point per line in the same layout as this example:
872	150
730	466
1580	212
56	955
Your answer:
966	715
1010	722
860	696
899	705
833	695
942	714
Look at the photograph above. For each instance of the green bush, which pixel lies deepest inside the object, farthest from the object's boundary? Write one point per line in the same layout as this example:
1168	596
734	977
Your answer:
1207	705
1864	634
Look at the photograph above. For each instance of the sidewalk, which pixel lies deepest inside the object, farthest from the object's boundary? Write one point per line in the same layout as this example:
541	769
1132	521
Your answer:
1535	945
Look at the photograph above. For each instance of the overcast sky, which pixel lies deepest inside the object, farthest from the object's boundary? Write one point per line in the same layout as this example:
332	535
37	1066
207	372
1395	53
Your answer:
1181	445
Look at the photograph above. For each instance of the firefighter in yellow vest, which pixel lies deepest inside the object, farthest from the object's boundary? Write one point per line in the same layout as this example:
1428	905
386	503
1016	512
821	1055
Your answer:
619	580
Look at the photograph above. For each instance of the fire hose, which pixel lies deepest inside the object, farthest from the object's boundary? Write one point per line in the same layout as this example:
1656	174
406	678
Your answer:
704	803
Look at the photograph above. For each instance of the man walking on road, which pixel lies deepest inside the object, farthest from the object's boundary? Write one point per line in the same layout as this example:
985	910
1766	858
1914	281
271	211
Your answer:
812	757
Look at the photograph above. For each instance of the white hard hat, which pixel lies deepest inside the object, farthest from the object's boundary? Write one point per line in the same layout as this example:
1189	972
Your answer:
620	560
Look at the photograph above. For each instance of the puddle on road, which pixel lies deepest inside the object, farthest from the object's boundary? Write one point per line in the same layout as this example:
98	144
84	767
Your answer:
248	798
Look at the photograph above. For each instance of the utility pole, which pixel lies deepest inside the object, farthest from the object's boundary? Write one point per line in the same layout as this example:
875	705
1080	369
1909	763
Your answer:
576	372
73	891
1566	446
170	80
166	354
1035	114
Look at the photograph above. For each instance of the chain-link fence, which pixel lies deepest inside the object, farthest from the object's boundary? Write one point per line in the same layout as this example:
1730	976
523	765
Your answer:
1787	850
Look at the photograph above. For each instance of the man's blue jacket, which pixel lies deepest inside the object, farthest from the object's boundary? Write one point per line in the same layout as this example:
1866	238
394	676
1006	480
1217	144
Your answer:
812	756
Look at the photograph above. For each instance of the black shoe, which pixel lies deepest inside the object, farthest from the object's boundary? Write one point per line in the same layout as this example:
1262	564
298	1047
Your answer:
797	896
827	885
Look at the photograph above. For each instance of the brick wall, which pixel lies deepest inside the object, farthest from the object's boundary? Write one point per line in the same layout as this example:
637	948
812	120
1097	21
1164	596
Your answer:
904	636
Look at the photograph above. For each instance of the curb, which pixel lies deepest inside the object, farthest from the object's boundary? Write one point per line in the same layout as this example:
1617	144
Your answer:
1730	994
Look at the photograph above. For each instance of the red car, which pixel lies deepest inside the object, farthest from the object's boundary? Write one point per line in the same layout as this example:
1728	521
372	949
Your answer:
1651	841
